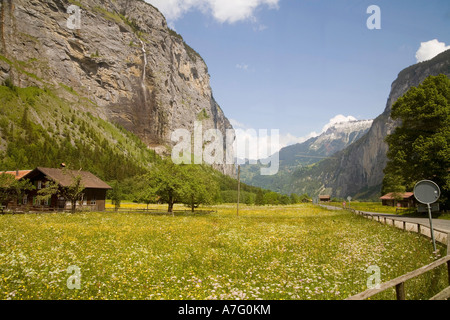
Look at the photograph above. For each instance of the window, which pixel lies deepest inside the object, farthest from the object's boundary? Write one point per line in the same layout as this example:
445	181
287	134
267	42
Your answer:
25	200
39	184
93	200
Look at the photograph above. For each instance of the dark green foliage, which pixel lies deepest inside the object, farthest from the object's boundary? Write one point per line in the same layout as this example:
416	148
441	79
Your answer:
116	195
259	199
12	189
8	83
271	198
230	196
201	187
75	138
304	198
420	147
169	183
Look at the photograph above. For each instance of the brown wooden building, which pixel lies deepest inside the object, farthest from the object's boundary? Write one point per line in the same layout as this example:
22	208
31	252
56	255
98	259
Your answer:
324	198
94	195
403	200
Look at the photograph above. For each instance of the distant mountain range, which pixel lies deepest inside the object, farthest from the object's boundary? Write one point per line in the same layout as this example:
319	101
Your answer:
334	139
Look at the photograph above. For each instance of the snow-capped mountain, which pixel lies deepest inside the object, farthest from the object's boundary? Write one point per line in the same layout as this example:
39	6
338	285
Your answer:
341	134
336	138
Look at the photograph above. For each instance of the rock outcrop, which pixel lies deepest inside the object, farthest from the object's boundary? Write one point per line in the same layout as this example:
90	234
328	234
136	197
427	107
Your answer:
123	58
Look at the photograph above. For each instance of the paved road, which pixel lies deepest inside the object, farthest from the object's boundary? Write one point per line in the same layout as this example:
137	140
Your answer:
438	224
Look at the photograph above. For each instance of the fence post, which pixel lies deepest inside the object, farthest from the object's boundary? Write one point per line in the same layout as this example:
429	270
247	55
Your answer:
400	290
448	244
448	254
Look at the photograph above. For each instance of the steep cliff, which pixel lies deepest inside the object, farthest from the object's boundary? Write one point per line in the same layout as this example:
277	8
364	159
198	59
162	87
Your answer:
358	169
123	59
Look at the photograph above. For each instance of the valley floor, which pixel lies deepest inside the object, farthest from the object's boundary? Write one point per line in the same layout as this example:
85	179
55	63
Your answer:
298	252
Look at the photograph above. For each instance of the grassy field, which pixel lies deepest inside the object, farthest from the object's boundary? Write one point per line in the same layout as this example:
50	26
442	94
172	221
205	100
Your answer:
289	252
379	208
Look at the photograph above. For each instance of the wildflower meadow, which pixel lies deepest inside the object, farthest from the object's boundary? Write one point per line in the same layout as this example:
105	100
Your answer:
298	252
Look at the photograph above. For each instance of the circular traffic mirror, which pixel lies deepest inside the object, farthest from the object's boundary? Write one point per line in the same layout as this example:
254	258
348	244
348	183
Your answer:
427	192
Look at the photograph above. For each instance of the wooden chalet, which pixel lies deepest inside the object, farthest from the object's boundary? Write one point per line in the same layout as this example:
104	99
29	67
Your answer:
94	195
402	200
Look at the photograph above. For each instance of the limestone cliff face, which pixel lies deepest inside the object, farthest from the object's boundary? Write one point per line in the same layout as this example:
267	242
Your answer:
358	169
123	58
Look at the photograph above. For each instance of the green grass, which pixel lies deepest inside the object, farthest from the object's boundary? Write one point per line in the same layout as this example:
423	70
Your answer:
367	206
291	252
379	208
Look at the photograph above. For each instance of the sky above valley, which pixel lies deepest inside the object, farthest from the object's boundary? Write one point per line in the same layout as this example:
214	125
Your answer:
299	65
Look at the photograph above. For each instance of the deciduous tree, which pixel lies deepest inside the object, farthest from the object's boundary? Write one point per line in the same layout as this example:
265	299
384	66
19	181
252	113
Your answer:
420	147
169	182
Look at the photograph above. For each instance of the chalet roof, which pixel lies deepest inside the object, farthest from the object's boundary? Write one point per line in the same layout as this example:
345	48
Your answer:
390	196
64	177
18	174
324	197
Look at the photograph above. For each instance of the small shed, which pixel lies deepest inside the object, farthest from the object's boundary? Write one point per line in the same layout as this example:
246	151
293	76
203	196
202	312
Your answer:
324	198
399	200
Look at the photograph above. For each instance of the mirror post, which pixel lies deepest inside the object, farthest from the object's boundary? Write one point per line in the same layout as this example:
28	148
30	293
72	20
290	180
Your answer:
431	228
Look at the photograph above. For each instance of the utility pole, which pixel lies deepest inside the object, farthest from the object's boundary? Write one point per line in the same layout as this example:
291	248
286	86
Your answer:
239	188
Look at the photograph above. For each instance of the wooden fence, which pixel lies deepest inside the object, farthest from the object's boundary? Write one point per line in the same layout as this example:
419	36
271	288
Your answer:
399	283
421	228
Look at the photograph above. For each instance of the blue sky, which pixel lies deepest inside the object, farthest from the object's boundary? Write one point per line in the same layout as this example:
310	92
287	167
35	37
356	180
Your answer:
293	65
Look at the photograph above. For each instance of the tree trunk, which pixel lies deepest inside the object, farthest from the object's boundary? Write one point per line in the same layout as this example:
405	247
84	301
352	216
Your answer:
74	206
171	202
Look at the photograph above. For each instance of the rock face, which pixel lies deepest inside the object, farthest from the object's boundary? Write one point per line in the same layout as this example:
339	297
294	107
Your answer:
358	169
123	58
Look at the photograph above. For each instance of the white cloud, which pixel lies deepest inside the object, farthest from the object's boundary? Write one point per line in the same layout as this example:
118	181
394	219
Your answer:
229	11
430	49
242	66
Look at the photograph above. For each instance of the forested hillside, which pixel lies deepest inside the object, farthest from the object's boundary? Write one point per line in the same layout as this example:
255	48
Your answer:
38	128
